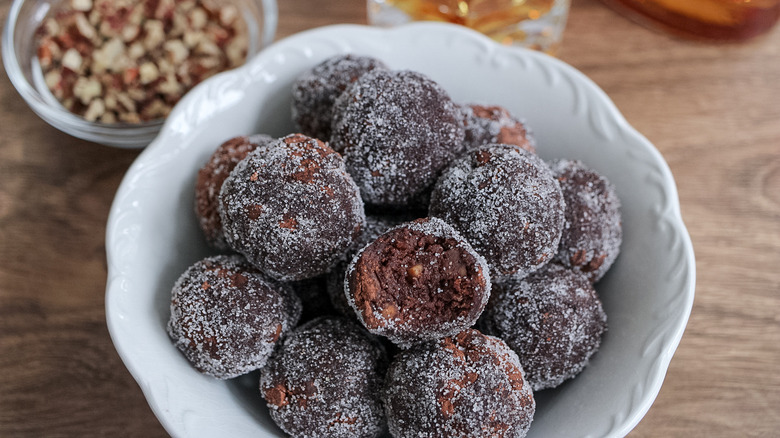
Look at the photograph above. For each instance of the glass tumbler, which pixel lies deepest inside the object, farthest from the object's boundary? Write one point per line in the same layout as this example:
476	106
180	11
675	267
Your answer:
535	24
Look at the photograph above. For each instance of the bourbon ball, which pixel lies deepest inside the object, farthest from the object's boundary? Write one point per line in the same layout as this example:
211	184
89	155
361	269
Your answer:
210	179
418	281
592	230
488	124
468	385
505	201
291	208
315	91
397	130
325	381
226	316
552	319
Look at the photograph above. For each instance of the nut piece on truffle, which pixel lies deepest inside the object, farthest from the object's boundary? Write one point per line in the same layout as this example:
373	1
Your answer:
291	208
314	93
325	381
592	230
397	130
505	201
226	317
469	385
420	280
552	319
495	124
210	179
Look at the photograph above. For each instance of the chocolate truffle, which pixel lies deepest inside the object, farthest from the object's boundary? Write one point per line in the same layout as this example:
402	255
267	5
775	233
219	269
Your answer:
291	208
505	201
226	316
325	381
552	319
469	385
210	179
315	91
420	280
592	229
495	124
396	130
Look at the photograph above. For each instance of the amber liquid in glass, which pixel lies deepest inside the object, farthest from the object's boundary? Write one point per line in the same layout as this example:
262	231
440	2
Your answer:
498	19
717	20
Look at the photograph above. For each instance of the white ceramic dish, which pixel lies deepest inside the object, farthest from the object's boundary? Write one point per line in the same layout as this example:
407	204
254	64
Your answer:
153	236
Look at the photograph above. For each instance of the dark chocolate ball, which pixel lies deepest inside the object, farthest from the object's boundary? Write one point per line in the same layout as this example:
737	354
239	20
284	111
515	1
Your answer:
396	130
495	124
469	385
291	208
325	381
505	201
210	179
314	93
592	230
226	317
418	281
552	319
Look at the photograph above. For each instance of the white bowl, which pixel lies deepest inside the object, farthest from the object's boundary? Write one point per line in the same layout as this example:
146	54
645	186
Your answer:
153	236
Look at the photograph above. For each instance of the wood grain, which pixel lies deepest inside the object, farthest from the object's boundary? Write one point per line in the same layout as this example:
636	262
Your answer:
712	110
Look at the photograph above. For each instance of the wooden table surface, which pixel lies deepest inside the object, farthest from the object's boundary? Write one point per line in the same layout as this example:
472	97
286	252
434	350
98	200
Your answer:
712	110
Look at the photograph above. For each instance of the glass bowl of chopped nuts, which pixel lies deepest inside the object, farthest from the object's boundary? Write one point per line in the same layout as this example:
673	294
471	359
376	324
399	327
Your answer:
110	71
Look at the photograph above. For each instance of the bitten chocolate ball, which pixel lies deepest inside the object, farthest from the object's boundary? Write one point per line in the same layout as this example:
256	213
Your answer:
505	201
210	179
324	381
291	208
396	130
418	281
495	124
226	316
314	93
469	385
592	230
552	319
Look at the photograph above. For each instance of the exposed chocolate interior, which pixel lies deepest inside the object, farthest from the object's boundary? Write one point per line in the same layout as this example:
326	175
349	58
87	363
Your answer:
415	278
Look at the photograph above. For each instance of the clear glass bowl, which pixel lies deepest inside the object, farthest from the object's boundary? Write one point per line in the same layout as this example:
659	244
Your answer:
21	63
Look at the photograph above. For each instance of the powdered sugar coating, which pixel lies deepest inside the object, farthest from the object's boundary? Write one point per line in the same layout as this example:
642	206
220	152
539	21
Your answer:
508	205
396	130
552	319
592	231
314	93
291	208
418	281
468	385
489	124
226	317
324	381
210	179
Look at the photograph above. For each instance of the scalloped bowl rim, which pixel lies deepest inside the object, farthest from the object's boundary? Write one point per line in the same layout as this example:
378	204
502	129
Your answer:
305	49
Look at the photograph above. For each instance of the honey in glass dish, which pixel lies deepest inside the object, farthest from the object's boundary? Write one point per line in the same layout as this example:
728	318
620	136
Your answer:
536	24
714	20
